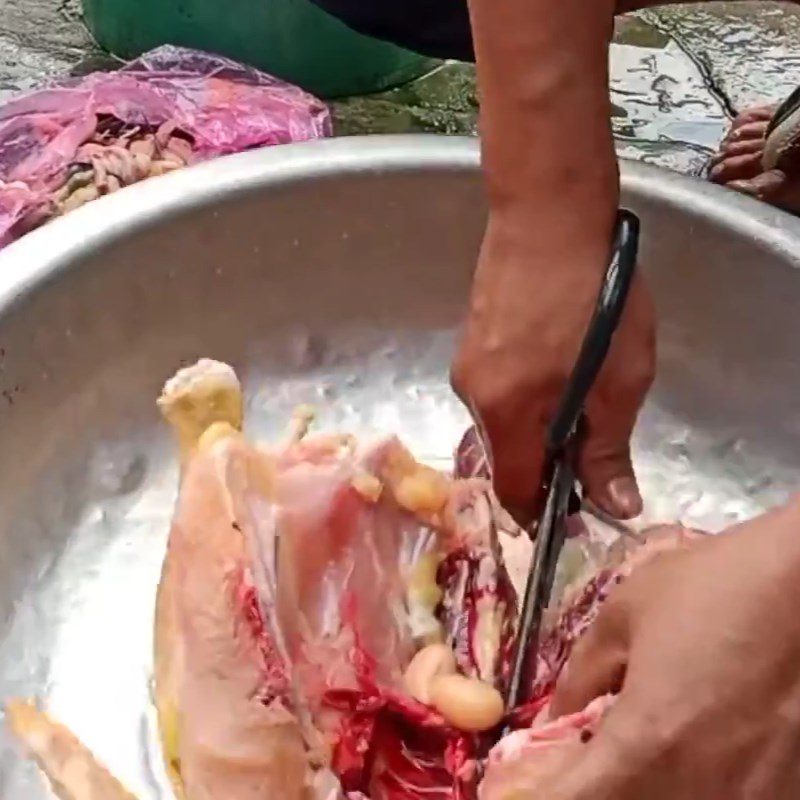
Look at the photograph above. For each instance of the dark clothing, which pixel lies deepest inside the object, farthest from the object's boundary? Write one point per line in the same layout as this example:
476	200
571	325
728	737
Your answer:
436	28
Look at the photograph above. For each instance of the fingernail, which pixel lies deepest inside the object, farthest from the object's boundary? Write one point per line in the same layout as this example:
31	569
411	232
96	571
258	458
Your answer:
625	497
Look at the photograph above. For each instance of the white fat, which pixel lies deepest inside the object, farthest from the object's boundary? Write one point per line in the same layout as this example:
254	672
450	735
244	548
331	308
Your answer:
421	621
486	641
510	747
324	785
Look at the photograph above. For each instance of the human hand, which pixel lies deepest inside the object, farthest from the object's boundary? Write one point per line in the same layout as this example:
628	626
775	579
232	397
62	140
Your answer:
755	160
524	330
705	644
741	149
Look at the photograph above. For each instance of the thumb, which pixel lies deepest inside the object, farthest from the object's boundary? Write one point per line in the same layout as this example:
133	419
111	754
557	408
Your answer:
606	472
597	664
512	430
604	458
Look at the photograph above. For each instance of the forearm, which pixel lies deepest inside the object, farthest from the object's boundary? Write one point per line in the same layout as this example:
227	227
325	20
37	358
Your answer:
548	151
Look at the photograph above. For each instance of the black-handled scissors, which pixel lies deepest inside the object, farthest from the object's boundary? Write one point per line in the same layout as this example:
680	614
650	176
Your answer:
559	478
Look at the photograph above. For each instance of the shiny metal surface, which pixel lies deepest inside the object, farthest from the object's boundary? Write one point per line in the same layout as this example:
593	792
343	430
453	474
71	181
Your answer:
333	273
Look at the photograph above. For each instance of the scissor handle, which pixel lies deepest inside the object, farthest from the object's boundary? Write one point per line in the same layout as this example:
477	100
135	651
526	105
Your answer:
596	342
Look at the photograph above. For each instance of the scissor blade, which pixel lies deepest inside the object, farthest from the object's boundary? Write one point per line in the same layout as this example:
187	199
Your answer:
549	541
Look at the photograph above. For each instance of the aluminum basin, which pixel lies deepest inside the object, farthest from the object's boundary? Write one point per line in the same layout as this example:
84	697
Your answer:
332	273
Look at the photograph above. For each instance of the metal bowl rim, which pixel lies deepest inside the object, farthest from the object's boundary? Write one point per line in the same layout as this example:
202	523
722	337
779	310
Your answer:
39	257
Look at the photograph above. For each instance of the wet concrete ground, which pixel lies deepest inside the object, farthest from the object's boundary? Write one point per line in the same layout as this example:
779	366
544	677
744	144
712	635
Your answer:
677	74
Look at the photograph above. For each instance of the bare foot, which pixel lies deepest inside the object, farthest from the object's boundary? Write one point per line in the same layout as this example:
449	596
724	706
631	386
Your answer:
760	154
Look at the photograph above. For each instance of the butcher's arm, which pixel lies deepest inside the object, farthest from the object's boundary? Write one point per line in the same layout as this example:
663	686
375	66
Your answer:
548	152
553	190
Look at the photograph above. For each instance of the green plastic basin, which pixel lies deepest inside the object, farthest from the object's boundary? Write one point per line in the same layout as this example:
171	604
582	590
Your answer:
291	39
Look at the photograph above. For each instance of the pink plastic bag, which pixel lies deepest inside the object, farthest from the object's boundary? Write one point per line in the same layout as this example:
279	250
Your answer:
220	105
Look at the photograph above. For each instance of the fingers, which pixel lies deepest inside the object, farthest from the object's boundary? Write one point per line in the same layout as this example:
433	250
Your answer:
741	151
766	186
751	134
736	167
607	473
755	114
597	664
517	470
514	431
604	460
511	415
744	136
739	147
746	130
751	163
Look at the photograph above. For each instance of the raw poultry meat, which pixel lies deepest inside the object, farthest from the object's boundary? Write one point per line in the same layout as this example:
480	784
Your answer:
71	769
299	584
84	137
335	620
362	559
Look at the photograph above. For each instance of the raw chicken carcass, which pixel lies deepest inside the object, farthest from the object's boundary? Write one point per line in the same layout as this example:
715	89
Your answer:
300	588
335	620
299	584
358	557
